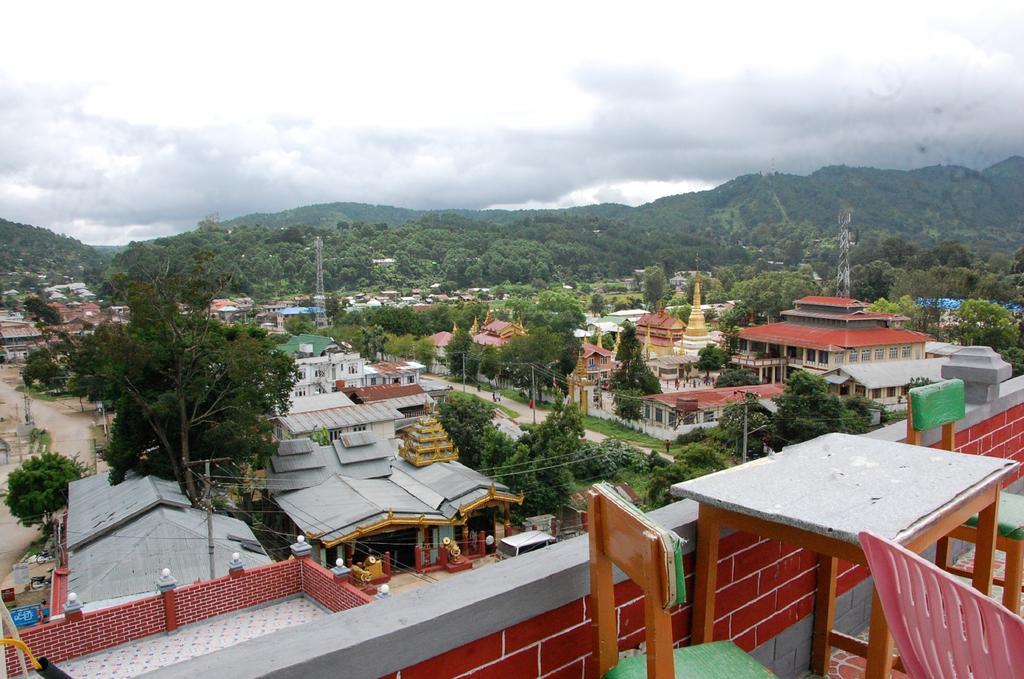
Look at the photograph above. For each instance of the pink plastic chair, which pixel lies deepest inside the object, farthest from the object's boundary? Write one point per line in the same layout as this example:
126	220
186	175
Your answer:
942	627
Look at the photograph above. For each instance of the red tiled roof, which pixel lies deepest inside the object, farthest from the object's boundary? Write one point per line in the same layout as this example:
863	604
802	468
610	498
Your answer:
591	349
822	300
382	392
488	339
496	325
713	398
830	339
441	339
658	320
659	341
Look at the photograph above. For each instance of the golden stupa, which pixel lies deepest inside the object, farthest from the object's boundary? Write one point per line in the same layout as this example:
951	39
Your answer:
426	442
696	336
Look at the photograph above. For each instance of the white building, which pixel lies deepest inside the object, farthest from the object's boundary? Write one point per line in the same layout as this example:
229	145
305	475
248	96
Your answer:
324	366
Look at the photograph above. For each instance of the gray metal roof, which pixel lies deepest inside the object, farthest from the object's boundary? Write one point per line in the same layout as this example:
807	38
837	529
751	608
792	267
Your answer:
374	449
357	438
291	471
338	418
95	506
128	560
891	373
295	447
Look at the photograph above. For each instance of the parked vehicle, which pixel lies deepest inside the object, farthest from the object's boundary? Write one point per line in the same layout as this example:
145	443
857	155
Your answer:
521	543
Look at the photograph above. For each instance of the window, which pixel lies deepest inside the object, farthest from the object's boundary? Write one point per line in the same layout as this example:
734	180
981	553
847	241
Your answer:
879	354
709	416
647	412
358	427
876	393
853	357
411	380
905	351
352	369
890	392
865	355
894	352
657	415
812	357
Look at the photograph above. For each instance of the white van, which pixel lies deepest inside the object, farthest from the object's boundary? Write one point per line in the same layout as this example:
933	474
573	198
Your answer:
521	543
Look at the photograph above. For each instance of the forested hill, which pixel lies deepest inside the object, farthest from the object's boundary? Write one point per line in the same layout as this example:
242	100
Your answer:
30	250
777	217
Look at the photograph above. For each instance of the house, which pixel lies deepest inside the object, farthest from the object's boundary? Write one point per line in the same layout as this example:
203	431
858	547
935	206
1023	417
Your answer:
393	372
17	340
356	497
821	333
660	333
703	406
599	362
120	537
886	382
324	365
409	399
379	418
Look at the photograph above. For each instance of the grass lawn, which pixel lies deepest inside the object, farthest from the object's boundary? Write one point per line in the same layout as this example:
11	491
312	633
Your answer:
505	409
519	398
613	429
42	395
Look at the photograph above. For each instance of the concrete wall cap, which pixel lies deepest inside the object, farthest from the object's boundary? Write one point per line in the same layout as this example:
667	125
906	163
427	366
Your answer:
977	364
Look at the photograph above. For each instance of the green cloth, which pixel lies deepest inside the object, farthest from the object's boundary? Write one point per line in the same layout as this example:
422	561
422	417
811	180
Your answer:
319	342
934	405
1011	516
716	659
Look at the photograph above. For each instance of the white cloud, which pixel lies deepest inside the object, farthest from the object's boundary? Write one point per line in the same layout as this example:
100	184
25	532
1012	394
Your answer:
122	121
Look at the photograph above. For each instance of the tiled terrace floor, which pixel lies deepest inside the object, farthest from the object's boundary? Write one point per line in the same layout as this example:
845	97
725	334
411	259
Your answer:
130	660
846	666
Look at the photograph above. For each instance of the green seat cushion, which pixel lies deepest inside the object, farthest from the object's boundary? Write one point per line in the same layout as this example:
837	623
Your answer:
1011	516
722	659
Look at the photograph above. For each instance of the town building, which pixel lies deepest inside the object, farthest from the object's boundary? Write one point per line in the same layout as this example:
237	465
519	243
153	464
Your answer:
120	537
18	339
379	418
393	372
599	362
822	333
411	400
357	498
323	364
660	333
886	382
703	406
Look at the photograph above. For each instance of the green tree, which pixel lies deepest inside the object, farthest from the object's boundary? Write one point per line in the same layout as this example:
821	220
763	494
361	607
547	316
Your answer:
321	437
981	323
711	357
38	489
807	410
772	292
496	451
731	423
1015	357
425	352
692	460
654	285
40	311
402	346
372	342
299	325
557	310
527	360
631	378
540	466
43	366
466	419
597	304
186	387
737	377
459	355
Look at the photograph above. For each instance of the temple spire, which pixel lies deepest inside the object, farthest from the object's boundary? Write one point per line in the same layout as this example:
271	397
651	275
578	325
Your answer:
696	336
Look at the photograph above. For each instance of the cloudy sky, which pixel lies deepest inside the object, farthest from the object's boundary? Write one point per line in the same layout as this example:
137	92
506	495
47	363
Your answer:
119	122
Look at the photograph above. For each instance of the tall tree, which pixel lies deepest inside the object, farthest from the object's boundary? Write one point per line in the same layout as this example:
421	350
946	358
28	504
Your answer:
40	311
711	357
38	489
186	387
541	464
466	418
986	324
807	410
631	378
597	304
654	286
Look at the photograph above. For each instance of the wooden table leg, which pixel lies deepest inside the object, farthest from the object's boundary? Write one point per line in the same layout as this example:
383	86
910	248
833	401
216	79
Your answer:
880	643
985	546
1011	581
708	528
824	614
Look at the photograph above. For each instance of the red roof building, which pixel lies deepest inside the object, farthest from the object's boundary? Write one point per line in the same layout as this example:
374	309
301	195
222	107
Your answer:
599	361
822	333
660	332
699	407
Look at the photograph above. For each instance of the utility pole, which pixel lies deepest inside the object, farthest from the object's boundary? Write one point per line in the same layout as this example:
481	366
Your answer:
533	391
746	407
208	497
463	371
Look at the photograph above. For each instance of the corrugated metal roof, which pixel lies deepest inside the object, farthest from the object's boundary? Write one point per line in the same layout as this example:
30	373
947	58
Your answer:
375	450
358	438
95	507
128	560
337	418
892	373
292	463
295	447
420	491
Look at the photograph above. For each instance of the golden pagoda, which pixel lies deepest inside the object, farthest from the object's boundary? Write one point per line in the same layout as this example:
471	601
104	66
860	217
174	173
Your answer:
475	328
696	336
426	442
580	385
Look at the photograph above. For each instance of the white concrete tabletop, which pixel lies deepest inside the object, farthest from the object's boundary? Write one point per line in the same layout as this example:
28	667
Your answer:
838	485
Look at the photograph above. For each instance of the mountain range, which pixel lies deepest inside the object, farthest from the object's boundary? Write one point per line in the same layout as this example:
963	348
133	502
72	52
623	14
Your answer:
776	217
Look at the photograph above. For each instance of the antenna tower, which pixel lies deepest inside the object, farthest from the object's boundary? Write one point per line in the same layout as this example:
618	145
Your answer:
320	299
843	279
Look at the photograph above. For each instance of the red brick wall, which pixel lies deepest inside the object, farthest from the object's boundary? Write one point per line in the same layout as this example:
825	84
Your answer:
61	640
226	594
318	583
117	625
763	588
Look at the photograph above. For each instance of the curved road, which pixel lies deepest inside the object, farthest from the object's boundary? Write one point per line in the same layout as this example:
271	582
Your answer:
69	429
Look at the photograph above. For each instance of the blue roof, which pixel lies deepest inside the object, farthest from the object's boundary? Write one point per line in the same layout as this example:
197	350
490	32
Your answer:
296	310
953	303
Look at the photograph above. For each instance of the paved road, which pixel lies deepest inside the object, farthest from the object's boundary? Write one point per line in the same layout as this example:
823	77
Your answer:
69	429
